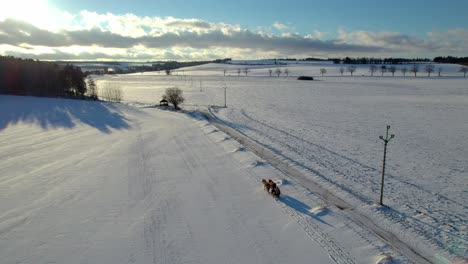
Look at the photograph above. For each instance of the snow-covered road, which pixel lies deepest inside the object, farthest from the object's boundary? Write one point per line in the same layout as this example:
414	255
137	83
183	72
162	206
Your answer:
89	182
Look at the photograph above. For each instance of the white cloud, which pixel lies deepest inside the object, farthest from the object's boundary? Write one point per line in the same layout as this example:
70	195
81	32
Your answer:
131	37
320	34
280	26
394	40
454	41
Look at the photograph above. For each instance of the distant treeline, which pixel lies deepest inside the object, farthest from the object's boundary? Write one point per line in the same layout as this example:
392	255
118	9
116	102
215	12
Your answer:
314	59
362	60
365	60
450	59
294	59
36	78
32	77
156	66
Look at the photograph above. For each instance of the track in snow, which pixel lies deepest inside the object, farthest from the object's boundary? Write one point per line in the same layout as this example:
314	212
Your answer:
415	211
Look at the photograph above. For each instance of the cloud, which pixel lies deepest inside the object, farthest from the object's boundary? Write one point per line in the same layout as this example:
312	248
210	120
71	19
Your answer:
454	41
280	26
189	23
385	39
90	35
233	38
17	32
320	34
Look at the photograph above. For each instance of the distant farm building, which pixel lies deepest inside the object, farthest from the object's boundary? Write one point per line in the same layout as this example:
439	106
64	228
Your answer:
163	102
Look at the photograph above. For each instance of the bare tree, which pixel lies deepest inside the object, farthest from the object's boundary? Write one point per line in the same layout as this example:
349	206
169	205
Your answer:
341	71
239	71
174	96
286	71
278	71
392	69
383	70
429	68
414	69
111	92
372	69
439	70
270	71
351	69
92	90
323	71
404	70
224	71
246	71
464	70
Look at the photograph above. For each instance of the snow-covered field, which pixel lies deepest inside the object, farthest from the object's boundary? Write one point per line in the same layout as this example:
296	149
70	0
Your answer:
329	130
93	182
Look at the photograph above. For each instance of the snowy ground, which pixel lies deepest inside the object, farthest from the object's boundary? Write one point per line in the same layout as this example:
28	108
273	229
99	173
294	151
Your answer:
329	130
93	182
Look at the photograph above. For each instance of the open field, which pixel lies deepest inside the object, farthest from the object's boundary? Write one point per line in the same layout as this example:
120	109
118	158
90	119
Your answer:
329	128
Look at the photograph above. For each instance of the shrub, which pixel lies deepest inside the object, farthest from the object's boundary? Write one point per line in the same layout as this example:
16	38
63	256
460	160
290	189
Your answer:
91	90
112	93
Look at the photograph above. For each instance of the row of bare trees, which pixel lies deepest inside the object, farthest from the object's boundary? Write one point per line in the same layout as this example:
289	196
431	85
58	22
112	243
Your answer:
246	71
415	68
351	69
428	68
278	72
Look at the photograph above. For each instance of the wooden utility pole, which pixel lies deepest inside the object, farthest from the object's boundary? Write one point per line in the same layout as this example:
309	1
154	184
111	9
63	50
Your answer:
225	88
386	140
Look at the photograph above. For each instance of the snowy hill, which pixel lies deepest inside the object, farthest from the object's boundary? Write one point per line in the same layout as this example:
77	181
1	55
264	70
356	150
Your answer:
96	182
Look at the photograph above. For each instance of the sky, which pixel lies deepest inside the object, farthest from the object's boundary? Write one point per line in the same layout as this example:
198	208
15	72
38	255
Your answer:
206	29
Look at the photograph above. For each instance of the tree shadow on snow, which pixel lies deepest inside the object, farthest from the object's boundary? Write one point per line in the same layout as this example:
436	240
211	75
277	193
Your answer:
302	208
60	113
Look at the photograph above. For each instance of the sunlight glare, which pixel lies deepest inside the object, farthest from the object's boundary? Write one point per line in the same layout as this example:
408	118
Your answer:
36	12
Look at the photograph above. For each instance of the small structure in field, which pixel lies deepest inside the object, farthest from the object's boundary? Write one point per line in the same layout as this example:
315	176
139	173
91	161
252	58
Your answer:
163	102
305	78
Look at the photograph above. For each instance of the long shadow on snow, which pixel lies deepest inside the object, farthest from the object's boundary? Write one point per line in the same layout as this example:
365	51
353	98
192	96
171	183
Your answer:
302	208
56	113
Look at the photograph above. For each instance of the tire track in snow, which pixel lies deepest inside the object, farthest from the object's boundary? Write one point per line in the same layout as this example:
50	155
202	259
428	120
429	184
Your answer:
195	163
413	252
340	156
313	231
140	176
326	163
